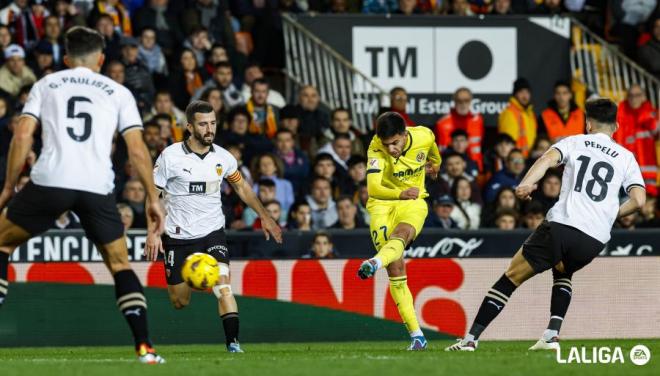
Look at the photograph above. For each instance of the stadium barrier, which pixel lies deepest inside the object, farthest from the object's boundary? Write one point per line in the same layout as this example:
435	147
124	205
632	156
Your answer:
71	303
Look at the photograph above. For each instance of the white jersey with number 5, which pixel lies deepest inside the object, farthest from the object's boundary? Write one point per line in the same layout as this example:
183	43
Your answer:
79	111
596	168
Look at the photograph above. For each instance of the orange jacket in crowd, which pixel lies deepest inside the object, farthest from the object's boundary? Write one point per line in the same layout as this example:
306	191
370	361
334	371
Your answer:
638	129
520	124
471	123
557	127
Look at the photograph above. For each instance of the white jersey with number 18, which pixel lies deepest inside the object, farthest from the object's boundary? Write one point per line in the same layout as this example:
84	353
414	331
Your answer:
79	111
596	168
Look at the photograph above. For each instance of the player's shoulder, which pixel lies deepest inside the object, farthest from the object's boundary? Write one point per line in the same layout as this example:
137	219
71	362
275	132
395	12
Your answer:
421	133
223	154
173	150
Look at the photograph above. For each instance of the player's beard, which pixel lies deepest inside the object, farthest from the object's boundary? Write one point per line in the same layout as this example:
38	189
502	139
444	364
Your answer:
206	139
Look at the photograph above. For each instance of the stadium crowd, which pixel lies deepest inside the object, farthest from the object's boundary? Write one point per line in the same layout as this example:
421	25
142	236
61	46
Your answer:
306	162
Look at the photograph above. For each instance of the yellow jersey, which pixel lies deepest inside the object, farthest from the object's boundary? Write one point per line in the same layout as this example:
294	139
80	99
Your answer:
387	176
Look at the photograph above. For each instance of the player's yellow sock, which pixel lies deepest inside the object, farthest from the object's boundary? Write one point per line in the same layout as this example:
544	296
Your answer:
391	251
404	302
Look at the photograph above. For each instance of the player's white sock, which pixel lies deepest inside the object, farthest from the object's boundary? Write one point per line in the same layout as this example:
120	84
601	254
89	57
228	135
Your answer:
379	264
469	338
416	333
549	333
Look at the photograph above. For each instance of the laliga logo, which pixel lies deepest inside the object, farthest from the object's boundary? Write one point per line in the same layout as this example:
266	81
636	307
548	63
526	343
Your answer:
639	355
446	246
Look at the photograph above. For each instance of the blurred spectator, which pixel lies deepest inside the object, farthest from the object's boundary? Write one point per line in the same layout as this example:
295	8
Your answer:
466	213
649	212
236	151
322	247
271	167
508	177
275	212
628	222
153	140
459	145
324	211
347	214
126	214
357	173
534	215
214	97
628	16
266	192
217	55
116	71
290	120
440	216
638	130
10	14
14	74
163	104
43	60
454	168
116	10
341	123
296	163
550	8
68	15
518	119
649	53
212	16
199	43
407	8
363	197
505	198
300	217
28	26
502	8
53	38
5	40
150	53
253	72
5	136
222	79
326	167
186	79
379	6
134	195
68	221
112	38
250	144
340	150
460	8
313	120
155	15
541	145
137	77
506	219
549	189
563	117
398	103
495	159
263	116
461	118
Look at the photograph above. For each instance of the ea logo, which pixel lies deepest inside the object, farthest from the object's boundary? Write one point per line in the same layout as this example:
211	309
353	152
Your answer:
640	355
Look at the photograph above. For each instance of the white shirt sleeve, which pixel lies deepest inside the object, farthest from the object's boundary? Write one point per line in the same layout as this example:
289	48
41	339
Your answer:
160	173
565	147
33	105
232	175
633	177
129	116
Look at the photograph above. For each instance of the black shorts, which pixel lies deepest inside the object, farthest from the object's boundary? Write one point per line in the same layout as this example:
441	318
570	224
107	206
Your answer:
176	251
35	209
553	242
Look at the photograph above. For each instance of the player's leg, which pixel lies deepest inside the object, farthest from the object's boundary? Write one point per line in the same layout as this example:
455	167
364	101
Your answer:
11	236
228	309
562	292
403	299
179	295
99	217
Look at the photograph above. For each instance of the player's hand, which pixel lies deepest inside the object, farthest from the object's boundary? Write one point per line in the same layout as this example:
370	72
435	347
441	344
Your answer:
523	192
270	228
432	170
410	194
155	213
153	246
5	195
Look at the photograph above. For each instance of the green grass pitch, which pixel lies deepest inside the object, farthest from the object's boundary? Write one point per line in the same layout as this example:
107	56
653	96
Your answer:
346	358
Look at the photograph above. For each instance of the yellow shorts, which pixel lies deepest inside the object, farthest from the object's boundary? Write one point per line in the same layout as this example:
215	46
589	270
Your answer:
386	215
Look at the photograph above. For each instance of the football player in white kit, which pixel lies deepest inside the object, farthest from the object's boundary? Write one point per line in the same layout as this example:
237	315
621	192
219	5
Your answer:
189	175
576	227
79	112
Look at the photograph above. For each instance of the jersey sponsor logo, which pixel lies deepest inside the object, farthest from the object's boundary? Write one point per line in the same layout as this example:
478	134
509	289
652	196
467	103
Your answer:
408	172
218	169
373	163
197	187
219	248
420	156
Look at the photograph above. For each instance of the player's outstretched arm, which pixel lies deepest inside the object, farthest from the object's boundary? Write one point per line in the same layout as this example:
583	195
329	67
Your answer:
549	159
637	199
140	159
154	244
20	147
247	195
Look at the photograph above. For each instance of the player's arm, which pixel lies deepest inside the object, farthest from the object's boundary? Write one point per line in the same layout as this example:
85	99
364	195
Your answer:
549	159
141	161
247	195
19	148
434	159
636	199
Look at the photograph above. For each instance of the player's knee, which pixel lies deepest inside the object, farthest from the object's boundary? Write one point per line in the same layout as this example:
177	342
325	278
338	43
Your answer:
559	268
117	265
222	291
179	302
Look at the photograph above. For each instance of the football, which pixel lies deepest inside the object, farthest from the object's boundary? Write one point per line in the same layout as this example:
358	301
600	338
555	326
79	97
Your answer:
200	271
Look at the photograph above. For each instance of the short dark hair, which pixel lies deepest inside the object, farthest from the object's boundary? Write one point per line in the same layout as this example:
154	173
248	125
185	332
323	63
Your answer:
317	178
356	159
237	111
259	81
515	150
602	111
501	212
283	131
451	154
81	41
397	88
340	109
322	234
563	83
196	107
504	137
151	124
458	133
345	198
206	93
165	117
533	208
163	92
271	202
390	124
266	183
323	157
342	136
222	64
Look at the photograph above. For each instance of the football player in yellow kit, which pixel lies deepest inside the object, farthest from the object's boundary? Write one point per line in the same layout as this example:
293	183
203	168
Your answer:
399	158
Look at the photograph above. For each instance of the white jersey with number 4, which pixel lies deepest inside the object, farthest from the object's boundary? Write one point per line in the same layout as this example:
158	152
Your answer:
79	111
596	168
